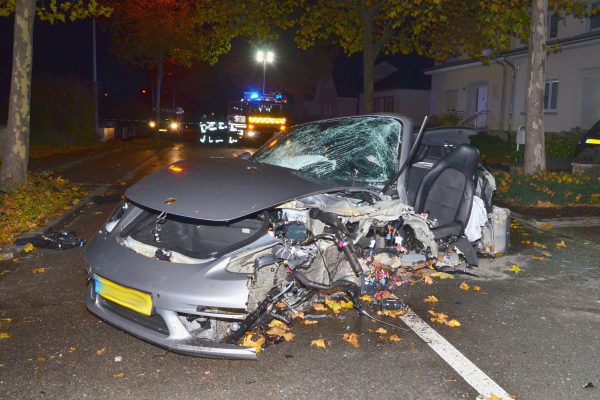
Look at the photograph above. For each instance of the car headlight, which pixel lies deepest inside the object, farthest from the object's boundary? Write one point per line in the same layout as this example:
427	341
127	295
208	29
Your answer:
116	216
174	125
152	124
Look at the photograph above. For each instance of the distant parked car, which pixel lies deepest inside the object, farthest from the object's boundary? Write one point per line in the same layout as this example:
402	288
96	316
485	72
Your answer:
588	148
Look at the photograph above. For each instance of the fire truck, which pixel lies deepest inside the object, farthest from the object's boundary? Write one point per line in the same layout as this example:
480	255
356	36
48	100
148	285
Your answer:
259	116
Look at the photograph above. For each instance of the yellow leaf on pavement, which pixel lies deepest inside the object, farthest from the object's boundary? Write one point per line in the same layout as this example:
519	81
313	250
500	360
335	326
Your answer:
515	268
40	270
547	254
453	323
546	226
464	286
335	306
288	336
320	307
476	288
561	245
352	338
300	315
276	331
540	245
427	279
323	343
310	322
381	331
101	351
431	299
4	335
119	375
395	338
28	247
249	341
277	322
442	275
538	258
367	298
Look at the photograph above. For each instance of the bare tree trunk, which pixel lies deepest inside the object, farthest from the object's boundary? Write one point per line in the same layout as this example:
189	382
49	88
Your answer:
535	153
159	75
368	64
15	149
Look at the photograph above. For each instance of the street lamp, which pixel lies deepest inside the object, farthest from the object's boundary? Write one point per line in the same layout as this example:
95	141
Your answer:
264	57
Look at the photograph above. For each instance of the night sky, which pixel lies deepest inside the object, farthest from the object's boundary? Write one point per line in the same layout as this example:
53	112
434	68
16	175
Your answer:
66	50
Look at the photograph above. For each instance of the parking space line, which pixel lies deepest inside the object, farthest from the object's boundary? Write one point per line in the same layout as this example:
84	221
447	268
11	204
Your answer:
475	377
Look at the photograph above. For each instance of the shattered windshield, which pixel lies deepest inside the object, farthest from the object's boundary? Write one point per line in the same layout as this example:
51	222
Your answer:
361	149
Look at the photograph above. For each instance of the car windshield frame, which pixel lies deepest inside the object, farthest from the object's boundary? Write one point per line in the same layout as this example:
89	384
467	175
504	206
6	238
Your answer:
328	149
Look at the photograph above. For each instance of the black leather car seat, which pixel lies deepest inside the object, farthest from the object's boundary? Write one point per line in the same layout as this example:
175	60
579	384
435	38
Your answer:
446	194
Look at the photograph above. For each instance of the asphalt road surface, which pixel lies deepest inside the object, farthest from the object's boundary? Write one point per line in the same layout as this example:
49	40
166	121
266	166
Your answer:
534	334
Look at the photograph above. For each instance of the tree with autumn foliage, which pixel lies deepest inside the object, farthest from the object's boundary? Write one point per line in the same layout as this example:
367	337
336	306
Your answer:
14	145
151	33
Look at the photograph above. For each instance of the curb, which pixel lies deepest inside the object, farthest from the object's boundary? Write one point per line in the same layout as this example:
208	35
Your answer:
11	250
558	222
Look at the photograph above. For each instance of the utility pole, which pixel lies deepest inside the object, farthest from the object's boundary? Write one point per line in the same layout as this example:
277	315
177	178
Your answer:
95	77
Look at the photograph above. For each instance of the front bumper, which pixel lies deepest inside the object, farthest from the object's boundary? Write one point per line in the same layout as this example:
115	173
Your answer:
164	329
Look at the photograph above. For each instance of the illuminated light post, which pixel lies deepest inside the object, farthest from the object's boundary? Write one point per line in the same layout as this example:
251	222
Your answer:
264	57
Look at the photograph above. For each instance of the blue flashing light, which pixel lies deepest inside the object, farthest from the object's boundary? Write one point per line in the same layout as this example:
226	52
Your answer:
254	95
278	96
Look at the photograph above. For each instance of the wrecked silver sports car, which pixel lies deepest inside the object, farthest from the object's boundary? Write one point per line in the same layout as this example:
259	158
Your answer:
204	250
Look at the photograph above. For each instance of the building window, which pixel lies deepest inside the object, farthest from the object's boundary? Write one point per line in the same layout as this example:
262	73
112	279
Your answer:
550	95
595	19
552	25
388	104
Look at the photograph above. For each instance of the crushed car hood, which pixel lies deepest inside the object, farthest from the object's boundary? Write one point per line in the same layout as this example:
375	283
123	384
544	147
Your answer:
222	189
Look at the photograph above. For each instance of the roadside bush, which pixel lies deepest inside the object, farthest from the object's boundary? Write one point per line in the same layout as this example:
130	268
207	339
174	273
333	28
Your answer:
62	111
448	119
548	189
31	206
562	144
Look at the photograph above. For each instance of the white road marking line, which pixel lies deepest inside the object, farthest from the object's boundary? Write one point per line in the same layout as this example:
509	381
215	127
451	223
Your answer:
475	377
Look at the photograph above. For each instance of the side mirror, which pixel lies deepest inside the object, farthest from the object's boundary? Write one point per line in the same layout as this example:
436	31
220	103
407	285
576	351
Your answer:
244	156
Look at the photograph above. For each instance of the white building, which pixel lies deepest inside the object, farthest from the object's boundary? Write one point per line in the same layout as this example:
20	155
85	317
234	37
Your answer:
494	94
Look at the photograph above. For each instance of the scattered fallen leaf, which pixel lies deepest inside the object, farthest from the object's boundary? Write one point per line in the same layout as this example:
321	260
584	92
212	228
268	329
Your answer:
538	258
310	322
277	322
249	341
352	338
393	313
547	254
333	305
561	245
101	351
464	286
119	375
540	245
320	307
586	222
382	331
28	247
476	288
515	268
427	279
281	304
442	275
98	212
41	359
15	259
207	372
319	343
288	336
395	338
367	298
276	331
431	299
546	226
300	315
40	270
4	335
453	323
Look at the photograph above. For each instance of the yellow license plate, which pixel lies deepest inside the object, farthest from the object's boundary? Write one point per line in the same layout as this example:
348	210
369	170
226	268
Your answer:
130	298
